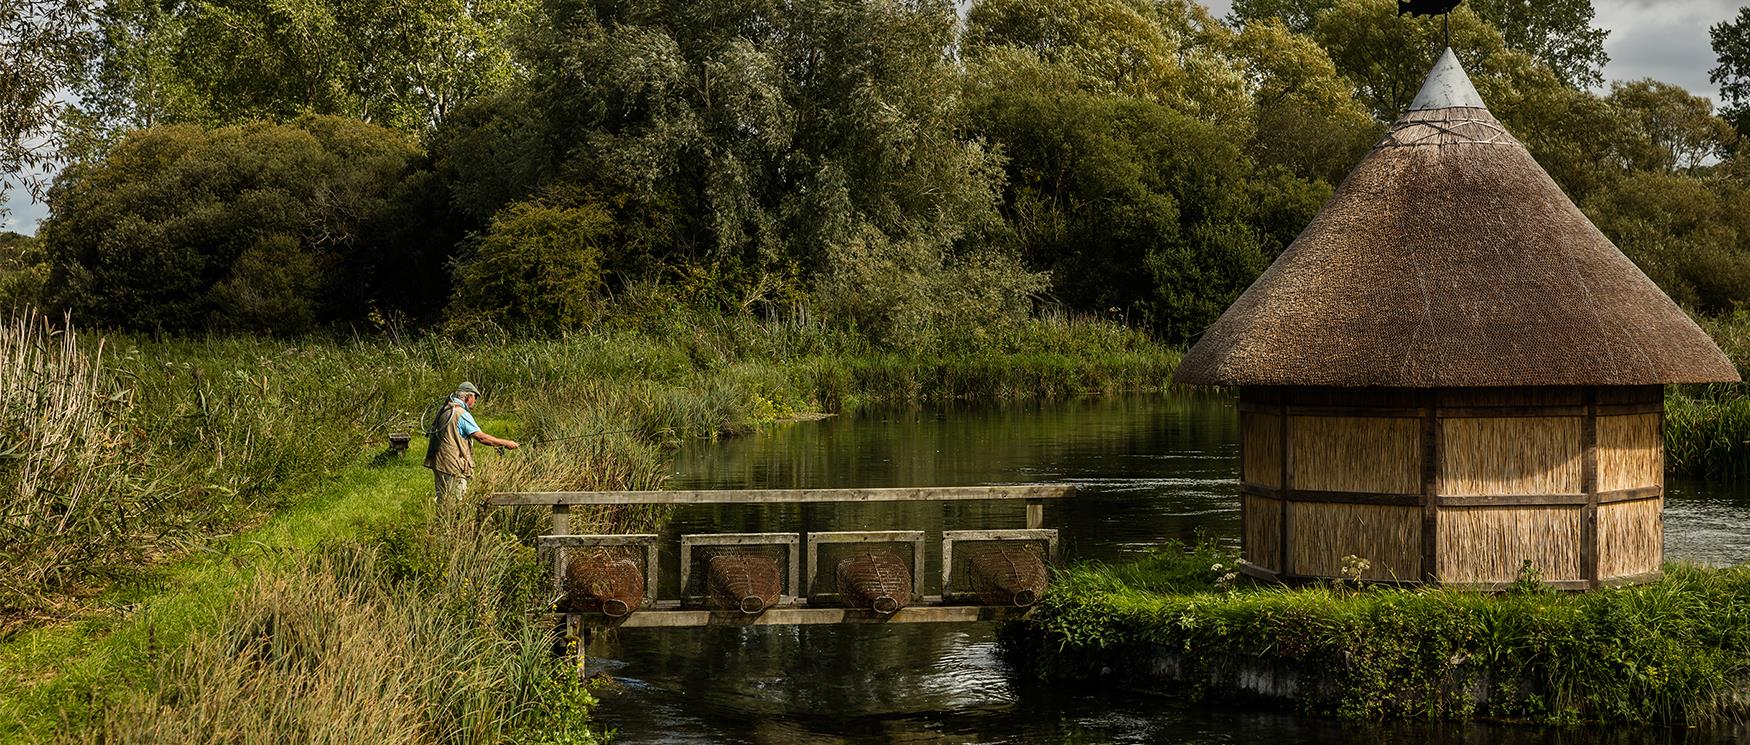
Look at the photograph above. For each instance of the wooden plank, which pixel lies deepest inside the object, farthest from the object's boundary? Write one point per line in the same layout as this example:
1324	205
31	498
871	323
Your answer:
668	619
783	496
1353	497
559	523
1514	500
1399	412
1631	495
1554	584
1494	412
1633	579
1651	407
1257	572
1035	514
590	541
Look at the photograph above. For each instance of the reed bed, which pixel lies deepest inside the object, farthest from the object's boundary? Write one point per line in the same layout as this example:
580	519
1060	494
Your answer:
1707	427
348	645
1675	651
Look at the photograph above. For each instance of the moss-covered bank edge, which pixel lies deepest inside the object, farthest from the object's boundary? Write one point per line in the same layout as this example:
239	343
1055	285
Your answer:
1179	622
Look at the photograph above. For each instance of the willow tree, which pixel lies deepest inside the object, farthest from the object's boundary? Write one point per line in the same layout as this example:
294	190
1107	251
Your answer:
751	148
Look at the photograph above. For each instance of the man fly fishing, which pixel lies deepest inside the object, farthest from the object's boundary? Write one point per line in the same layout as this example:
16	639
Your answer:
450	452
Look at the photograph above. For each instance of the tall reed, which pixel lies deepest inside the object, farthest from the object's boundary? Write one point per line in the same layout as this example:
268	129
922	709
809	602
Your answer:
422	635
71	491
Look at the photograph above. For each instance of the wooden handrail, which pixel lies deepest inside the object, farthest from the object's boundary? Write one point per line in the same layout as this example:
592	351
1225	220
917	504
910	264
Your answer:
781	496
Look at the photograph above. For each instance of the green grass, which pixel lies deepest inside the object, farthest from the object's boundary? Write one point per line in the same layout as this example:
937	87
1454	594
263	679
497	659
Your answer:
1674	651
54	675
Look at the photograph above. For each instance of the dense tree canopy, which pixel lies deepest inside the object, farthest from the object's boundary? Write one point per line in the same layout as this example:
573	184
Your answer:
43	44
921	170
1731	43
403	65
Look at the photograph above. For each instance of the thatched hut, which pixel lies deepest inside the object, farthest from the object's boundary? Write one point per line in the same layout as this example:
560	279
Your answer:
1452	372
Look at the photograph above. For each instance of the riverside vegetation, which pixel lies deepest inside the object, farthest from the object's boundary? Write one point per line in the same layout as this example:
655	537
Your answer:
201	542
676	218
1673	651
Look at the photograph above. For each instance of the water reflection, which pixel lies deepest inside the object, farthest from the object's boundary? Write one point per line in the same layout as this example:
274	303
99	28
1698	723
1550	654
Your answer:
1149	468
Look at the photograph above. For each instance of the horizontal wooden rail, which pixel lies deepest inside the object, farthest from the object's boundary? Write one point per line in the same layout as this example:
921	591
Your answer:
780	496
665	615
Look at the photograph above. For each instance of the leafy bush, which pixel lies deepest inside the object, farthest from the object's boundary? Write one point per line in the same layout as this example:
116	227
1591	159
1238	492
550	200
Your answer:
24	269
180	228
913	295
539	266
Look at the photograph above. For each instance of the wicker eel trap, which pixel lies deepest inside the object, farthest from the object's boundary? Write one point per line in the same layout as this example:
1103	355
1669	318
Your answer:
879	581
746	582
1008	575
601	582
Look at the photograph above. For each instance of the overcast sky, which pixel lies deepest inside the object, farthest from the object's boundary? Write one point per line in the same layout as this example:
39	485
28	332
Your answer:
1662	39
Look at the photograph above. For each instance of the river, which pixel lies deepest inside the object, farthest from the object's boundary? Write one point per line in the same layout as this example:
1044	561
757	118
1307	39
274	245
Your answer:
1149	469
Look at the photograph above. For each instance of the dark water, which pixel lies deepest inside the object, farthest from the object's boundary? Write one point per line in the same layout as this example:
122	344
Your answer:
1149	469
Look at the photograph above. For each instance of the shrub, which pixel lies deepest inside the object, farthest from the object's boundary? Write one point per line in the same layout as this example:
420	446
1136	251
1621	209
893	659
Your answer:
179	226
539	266
23	271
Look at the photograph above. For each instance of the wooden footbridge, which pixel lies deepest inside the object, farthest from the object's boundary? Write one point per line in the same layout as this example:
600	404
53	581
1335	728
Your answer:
792	578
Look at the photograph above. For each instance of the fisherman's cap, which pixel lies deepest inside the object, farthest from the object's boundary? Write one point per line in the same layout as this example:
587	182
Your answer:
468	388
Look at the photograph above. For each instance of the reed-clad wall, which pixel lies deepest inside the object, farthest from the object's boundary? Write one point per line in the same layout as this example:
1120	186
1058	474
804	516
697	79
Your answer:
1463	486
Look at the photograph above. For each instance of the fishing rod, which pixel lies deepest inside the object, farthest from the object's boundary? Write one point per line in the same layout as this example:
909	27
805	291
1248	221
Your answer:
546	440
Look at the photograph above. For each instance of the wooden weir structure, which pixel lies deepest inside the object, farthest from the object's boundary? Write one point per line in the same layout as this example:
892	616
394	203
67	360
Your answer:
986	574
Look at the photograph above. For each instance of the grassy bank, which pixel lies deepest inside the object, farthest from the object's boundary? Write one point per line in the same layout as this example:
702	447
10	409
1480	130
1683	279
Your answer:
1707	428
1675	651
235	548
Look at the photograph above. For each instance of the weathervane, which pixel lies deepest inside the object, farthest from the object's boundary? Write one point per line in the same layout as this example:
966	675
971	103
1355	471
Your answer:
1442	8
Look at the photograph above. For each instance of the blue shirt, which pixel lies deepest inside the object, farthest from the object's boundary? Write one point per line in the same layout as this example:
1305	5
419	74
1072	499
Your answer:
465	425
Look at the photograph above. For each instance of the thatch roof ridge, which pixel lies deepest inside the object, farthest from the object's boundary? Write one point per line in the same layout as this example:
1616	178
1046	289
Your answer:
1449	258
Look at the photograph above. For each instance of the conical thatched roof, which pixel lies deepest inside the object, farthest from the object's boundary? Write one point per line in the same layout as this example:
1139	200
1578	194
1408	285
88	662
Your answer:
1448	258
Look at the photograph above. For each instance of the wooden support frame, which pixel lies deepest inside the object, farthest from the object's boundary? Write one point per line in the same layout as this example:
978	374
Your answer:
670	616
647	541
951	537
557	500
791	542
816	540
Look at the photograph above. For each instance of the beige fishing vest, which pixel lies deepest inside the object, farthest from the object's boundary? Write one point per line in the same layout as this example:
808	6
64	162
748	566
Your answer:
453	454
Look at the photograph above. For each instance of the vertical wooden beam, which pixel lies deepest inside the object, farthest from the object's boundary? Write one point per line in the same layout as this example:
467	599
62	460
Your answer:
1589	485
1035	514
1286	565
1245	526
559	524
